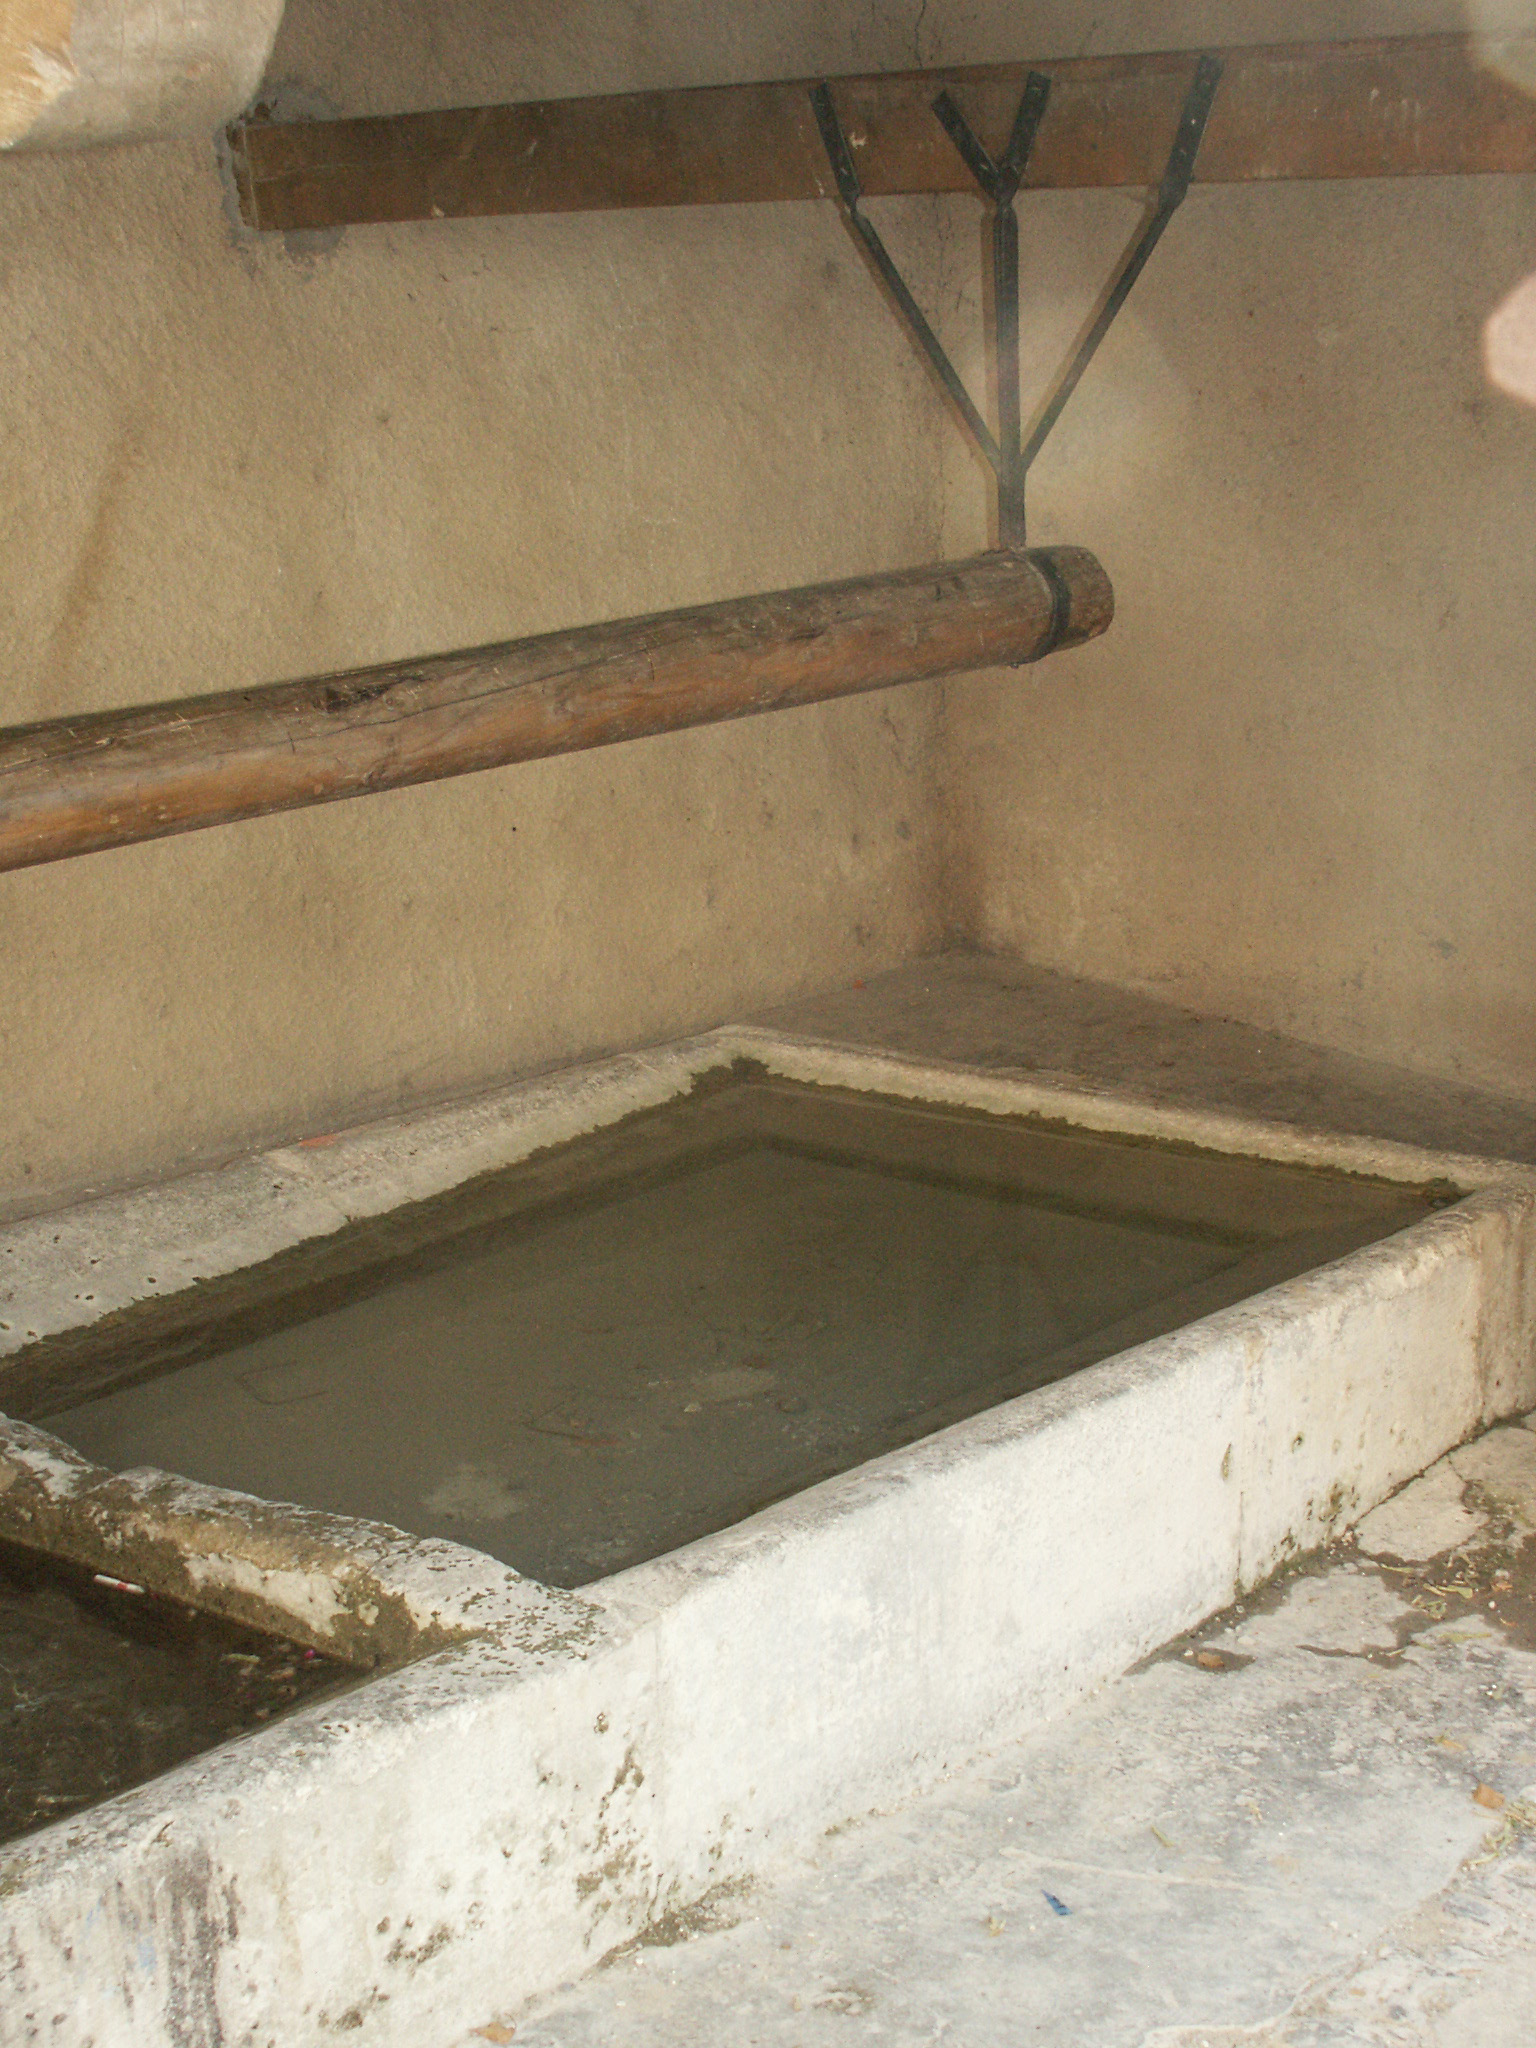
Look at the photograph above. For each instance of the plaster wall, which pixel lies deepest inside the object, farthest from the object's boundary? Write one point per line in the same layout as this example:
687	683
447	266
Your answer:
226	459
1294	784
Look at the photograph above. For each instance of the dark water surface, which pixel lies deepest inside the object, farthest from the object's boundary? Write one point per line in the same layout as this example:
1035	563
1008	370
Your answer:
101	1689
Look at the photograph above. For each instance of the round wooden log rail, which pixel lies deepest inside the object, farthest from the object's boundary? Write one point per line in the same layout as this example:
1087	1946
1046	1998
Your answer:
108	778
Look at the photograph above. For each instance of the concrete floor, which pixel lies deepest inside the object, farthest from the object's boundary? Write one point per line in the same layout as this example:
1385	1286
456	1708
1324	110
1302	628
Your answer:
1314	1822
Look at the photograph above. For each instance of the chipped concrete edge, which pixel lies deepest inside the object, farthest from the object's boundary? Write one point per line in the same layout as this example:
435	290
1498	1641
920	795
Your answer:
362	1591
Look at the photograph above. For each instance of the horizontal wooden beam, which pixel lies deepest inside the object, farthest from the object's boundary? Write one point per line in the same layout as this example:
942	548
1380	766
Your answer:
76	785
1392	108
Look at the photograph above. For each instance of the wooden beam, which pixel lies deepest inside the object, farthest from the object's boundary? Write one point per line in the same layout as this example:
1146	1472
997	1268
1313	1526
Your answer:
1402	106
76	785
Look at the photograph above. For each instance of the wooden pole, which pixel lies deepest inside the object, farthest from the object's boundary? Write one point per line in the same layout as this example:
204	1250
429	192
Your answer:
76	785
1394	107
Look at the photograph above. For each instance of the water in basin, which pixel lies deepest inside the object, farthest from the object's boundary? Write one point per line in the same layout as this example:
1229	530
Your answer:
625	1343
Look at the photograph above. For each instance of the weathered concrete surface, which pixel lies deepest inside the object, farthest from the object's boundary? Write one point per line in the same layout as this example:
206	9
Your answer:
1277	1846
357	1590
66	1269
597	1761
76	72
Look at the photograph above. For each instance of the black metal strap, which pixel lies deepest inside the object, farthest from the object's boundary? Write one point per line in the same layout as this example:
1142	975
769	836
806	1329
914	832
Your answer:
1170	195
999	181
841	159
1061	607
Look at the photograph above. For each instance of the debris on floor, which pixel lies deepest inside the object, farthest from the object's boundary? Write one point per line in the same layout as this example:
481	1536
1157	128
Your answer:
1322	1833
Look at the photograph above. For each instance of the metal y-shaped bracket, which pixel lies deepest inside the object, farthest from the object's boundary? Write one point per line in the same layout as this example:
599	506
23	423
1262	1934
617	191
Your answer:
1000	182
1008	453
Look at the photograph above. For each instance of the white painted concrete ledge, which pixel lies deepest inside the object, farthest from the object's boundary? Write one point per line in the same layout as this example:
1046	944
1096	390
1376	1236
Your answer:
509	1807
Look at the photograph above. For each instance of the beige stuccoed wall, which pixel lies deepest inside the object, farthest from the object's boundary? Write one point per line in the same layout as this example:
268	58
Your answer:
1292	784
1296	782
225	461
